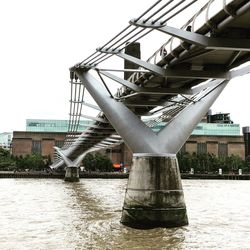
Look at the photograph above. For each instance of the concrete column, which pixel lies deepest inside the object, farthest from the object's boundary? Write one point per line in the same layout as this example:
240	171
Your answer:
154	195
72	174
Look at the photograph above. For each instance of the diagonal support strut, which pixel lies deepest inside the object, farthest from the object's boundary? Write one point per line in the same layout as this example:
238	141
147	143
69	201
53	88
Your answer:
135	133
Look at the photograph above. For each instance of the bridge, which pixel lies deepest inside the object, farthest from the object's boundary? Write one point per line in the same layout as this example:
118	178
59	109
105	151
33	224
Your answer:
177	85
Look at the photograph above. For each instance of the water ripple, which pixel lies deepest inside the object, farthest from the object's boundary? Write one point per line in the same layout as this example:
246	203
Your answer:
52	214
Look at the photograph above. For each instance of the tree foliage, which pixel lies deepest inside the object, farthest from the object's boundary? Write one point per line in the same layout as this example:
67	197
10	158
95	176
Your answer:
209	163
30	162
6	160
97	162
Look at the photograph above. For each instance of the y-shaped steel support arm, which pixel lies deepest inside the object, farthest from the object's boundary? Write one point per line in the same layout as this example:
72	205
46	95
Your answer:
135	133
139	137
70	163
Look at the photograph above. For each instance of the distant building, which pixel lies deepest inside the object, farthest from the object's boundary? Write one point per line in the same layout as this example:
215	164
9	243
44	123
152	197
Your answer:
222	138
46	125
219	118
220	146
215	134
26	143
5	140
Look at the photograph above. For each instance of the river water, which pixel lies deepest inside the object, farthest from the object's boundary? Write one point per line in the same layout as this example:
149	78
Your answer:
52	214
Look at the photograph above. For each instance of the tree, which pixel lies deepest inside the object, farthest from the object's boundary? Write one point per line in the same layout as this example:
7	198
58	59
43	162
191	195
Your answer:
6	161
184	160
205	163
97	162
34	162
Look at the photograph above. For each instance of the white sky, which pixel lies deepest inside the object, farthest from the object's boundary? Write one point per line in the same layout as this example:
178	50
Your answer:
41	39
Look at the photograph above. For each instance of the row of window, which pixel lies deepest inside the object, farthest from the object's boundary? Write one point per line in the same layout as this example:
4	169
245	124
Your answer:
209	129
202	149
37	146
54	125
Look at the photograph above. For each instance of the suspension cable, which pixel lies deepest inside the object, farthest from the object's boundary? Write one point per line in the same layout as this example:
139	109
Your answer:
157	11
179	11
143	14
168	11
103	58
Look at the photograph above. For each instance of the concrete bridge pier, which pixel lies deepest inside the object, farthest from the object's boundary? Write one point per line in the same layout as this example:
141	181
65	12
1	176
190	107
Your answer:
72	174
154	195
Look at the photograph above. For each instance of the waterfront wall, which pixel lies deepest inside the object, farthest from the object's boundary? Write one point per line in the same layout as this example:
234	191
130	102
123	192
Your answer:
114	175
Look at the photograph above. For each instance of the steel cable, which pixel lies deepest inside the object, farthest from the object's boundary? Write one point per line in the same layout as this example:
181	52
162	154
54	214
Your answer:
152	15
143	14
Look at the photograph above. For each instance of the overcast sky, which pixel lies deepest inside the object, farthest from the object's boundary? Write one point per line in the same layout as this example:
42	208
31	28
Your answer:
41	39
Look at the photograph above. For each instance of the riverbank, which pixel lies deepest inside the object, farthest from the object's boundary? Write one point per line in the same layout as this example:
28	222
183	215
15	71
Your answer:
53	175
216	176
117	175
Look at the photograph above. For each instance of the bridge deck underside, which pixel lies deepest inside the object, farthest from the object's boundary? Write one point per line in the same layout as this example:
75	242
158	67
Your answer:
214	62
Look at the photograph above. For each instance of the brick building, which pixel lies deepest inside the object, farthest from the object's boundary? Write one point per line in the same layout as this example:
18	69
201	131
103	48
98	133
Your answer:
221	138
26	143
217	145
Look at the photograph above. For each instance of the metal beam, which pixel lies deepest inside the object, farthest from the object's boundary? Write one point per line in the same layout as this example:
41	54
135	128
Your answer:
164	91
121	81
144	103
101	144
98	119
197	39
107	132
148	91
91	139
115	136
100	128
203	86
107	143
113	140
67	161
240	72
122	70
151	67
100	147
91	106
97	137
171	73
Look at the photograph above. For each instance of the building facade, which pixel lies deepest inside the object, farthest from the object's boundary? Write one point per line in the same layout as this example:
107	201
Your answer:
5	140
26	143
222	138
220	146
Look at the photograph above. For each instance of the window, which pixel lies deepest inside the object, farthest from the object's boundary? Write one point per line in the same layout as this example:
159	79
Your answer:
201	148
222	149
36	147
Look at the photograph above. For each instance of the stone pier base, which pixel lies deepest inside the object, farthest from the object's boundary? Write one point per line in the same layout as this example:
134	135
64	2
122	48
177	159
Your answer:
154	195
72	174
